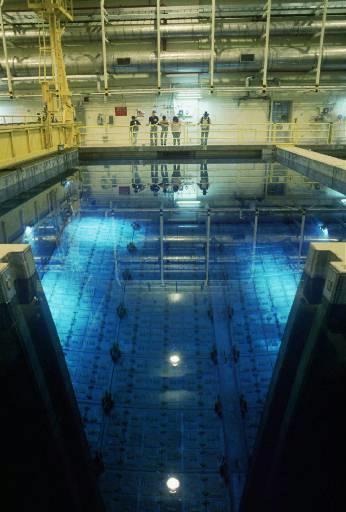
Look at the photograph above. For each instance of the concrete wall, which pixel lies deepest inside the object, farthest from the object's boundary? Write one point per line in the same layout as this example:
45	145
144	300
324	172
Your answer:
224	110
21	110
30	175
28	213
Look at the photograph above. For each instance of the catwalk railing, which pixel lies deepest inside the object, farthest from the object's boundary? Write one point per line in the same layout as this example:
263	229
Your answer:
25	140
26	137
109	135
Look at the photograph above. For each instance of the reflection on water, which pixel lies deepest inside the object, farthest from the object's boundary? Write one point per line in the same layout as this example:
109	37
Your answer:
215	184
94	258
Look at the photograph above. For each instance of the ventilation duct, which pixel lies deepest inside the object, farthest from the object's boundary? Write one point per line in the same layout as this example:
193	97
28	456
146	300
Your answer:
24	63
84	32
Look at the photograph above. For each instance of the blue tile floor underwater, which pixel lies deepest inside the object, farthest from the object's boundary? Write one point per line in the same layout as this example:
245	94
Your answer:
164	421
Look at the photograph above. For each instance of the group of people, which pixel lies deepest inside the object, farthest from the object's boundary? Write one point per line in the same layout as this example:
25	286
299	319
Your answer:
164	124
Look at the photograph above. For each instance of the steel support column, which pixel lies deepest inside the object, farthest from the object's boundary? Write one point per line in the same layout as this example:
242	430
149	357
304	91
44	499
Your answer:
158	42
255	229
212	44
301	237
320	53
104	47
161	248
207	252
4	45
268	9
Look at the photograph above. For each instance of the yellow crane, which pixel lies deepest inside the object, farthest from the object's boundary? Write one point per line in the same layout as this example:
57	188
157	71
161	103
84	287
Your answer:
57	98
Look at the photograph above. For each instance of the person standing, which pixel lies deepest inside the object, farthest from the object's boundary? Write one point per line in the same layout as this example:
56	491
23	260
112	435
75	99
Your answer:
176	130
134	128
205	126
153	122
164	130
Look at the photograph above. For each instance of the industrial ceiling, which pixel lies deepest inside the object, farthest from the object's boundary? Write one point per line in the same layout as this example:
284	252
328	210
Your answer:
160	45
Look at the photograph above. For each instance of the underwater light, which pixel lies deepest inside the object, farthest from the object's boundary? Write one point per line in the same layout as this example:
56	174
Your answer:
343	201
174	360
173	485
28	231
324	229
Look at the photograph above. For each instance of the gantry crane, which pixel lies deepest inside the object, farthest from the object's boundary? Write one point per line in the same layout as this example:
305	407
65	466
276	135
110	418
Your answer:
56	93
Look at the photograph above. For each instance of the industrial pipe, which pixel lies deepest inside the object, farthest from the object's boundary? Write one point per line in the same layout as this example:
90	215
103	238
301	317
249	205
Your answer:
80	62
83	32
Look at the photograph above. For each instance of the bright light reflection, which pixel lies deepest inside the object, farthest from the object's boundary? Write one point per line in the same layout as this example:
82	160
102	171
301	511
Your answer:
188	203
173	485
343	201
28	233
174	360
324	230
175	297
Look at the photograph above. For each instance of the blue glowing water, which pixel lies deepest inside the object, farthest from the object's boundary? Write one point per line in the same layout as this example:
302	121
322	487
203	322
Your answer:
163	422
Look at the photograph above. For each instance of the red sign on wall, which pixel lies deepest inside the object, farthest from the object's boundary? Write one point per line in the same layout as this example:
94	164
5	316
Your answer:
120	111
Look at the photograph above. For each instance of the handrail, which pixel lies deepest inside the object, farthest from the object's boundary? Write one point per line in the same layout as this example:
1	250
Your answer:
248	133
22	142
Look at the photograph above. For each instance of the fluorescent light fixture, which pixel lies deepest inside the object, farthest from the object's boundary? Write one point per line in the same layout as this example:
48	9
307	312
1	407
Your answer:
173	484
188	203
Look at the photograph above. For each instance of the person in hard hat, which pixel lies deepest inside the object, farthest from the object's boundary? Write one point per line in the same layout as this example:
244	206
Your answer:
134	129
176	130
153	122
205	126
164	123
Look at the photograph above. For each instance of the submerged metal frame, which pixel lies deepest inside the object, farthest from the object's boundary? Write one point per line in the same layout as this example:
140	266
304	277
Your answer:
207	249
161	248
301	237
255	230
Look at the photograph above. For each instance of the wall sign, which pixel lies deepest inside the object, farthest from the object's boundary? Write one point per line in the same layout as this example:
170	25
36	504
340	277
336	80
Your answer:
120	111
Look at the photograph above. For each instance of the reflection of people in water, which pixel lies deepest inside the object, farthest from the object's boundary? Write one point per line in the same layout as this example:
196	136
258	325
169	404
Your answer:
155	186
176	178
164	178
204	178
137	184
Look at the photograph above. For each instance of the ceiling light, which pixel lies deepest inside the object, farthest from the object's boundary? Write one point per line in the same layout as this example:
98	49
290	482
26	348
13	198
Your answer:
173	485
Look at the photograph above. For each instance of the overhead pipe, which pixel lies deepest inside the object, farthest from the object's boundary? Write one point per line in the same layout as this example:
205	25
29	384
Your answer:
83	32
212	45
104	45
158	43
79	62
320	53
